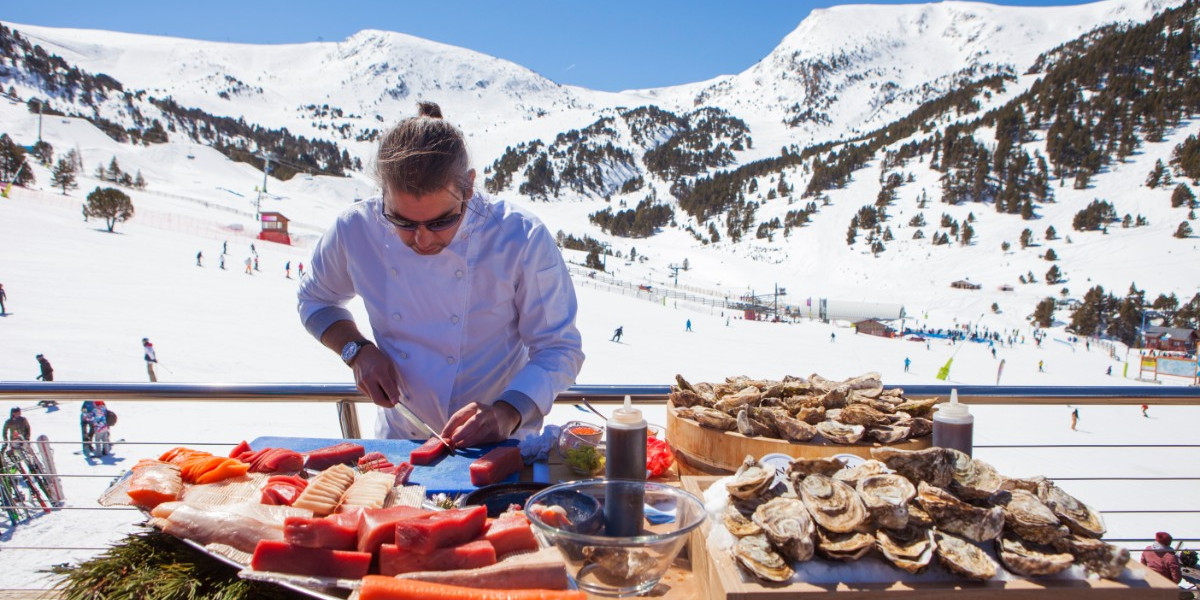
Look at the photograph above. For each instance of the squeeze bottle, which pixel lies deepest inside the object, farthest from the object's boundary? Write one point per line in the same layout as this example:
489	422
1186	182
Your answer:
626	464
953	425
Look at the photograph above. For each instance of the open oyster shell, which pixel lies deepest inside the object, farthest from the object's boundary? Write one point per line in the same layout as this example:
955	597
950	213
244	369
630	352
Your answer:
919	408
911	549
833	504
737	523
1027	517
713	418
1030	559
788	526
1077	515
803	467
852	475
751	427
862	414
1105	560
844	546
955	516
840	433
888	434
756	556
811	414
886	498
963	557
973	479
751	480
931	465
743	397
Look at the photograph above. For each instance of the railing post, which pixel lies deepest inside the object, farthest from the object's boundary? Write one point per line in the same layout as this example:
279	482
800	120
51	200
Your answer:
348	419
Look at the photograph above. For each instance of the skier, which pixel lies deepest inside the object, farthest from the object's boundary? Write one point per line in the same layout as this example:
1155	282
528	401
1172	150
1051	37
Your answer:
199	258
1109	371
1145	407
255	262
287	269
85	425
16	427
689	325
1041	366
253	251
222	262
225	247
617	334
1074	418
832	337
249	263
301	271
151	358
98	418
3	297
47	370
907	362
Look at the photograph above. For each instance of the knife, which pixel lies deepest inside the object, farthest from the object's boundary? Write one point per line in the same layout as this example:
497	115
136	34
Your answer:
414	419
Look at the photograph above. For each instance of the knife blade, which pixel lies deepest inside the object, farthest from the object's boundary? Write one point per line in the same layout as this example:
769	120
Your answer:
411	417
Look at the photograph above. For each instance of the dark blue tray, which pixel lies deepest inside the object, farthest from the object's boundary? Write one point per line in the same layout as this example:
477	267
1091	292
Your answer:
449	474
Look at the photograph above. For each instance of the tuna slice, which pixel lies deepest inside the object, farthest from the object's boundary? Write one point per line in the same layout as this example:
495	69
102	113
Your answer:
337	454
335	532
496	466
427	452
394	560
378	526
401	471
542	570
511	533
442	529
282	557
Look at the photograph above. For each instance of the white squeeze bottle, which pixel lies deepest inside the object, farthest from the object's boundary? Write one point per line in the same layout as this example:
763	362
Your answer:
953	425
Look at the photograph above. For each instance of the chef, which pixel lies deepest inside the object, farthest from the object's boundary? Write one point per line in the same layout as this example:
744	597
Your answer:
471	308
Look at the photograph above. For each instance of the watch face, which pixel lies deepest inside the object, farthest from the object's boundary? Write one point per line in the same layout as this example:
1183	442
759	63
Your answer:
349	350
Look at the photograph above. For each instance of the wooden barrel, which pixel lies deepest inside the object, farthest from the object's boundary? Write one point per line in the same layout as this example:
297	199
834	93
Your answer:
706	451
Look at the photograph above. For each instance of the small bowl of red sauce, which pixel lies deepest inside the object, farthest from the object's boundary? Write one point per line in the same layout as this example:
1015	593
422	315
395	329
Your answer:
581	446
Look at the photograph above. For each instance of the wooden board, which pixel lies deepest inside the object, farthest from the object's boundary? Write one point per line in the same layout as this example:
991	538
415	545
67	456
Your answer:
707	451
720	578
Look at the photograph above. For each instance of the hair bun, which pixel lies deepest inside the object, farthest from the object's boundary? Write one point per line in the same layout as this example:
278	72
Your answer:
429	109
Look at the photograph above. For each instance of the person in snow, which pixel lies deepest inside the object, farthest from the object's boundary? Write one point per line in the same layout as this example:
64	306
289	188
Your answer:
1161	559
16	427
97	418
1145	407
287	269
472	313
199	258
617	334
249	264
222	262
907	363
47	370
85	423
3	297
300	270
689	325
151	358
1074	418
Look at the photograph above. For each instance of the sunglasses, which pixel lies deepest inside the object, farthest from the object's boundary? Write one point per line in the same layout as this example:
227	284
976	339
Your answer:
438	224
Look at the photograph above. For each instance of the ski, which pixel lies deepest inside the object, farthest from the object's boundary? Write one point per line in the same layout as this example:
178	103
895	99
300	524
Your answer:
34	488
49	470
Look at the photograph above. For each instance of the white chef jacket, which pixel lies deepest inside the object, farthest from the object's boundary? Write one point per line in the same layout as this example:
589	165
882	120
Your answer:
492	316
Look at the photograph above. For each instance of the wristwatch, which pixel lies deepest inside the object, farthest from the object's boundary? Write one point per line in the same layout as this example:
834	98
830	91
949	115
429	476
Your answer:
351	349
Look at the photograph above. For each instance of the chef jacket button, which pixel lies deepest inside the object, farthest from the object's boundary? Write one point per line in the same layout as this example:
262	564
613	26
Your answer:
454	319
449	360
394	271
396	316
458	274
404	355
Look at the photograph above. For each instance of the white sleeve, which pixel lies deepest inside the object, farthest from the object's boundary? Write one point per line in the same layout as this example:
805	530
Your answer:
327	287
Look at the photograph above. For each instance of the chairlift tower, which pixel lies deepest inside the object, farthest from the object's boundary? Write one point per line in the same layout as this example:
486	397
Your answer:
266	156
675	269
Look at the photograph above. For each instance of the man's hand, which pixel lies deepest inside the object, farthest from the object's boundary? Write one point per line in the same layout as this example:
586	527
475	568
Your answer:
376	376
476	424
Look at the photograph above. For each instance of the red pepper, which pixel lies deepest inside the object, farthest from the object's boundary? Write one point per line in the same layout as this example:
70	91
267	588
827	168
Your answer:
659	457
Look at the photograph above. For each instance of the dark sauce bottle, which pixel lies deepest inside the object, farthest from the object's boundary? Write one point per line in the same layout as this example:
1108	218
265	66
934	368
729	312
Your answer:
625	461
954	425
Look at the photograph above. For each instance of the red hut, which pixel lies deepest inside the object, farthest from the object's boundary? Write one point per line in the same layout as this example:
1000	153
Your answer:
274	228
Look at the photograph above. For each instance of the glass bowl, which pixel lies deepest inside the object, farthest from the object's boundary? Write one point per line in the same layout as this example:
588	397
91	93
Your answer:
581	446
574	517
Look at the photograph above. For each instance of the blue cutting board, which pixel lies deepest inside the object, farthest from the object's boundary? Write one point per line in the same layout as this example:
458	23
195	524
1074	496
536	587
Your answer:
448	475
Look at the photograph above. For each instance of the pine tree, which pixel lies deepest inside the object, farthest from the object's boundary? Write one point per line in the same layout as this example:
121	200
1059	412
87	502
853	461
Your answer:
1026	238
1182	196
139	182
64	175
1155	178
1184	231
851	235
109	204
1051	234
1043	315
12	163
1053	276
113	173
1005	246
968	232
1051	255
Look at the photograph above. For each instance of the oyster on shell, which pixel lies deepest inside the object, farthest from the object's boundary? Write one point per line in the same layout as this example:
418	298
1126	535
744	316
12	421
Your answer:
973	479
955	516
713	418
751	480
1027	517
919	408
683	384
917	426
743	397
833	504
852	475
811	414
840	433
834	398
737	523
1105	560
886	498
931	465
794	430
917	516
844	546
963	557
788	526
911	549
1077	515
888	434
1029	559
803	467
684	398
751	427
684	412
867	384
862	414
756	556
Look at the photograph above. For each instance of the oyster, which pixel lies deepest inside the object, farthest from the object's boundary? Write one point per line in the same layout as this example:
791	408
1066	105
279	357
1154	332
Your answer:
794	430
756	556
751	480
750	427
684	398
886	498
1105	560
862	414
917	516
867	384
853	475
811	414
1077	515
834	398
1030	484
1031	560
788	527
743	397
919	408
1027	517
973	479
931	465
833	504
888	434
917	426
822	385
955	516
737	523
839	433
911	548
963	557
713	418
844	546
683	384
807	466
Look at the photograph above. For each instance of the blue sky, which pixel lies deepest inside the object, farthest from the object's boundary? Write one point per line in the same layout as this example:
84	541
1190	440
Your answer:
610	45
